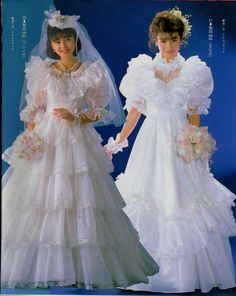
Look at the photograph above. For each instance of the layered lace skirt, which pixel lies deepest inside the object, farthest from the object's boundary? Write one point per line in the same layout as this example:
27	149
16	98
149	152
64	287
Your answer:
63	222
182	214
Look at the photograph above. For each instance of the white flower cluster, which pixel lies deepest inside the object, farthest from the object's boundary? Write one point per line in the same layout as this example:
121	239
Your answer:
185	19
61	21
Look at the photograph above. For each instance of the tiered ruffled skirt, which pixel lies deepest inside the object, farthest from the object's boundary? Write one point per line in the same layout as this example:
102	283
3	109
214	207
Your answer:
63	222
182	214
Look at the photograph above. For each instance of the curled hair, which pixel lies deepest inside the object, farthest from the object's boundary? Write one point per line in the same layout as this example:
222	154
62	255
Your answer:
168	22
54	34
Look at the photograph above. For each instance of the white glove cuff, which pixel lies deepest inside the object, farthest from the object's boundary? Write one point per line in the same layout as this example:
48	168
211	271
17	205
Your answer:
114	147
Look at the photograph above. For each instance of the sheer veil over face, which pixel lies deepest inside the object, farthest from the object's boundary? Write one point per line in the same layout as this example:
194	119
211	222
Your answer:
88	54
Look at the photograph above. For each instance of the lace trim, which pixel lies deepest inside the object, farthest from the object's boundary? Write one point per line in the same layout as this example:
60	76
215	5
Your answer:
124	247
60	204
82	285
173	74
75	284
178	245
58	74
57	283
25	243
158	255
184	214
45	171
53	141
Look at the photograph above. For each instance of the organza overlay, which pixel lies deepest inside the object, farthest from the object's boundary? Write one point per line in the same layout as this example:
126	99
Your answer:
63	222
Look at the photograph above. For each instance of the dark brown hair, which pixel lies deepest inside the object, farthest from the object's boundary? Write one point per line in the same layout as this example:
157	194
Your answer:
54	33
165	22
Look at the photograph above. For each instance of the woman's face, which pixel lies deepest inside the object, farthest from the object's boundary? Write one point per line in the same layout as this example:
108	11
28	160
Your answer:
64	46
168	44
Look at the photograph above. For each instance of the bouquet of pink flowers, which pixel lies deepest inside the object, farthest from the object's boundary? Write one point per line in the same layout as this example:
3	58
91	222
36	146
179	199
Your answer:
195	143
28	145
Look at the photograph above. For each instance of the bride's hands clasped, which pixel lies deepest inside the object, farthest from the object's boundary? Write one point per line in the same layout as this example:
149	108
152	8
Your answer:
63	113
84	117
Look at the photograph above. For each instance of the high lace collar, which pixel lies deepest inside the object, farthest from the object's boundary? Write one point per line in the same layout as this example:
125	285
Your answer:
176	62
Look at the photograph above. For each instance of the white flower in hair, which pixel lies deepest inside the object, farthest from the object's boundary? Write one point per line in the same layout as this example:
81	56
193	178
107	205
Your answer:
185	19
178	13
61	21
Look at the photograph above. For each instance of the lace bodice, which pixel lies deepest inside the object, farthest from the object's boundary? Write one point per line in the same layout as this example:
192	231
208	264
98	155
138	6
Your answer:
52	88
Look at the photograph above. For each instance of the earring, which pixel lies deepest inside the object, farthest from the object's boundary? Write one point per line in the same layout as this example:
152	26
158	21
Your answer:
76	46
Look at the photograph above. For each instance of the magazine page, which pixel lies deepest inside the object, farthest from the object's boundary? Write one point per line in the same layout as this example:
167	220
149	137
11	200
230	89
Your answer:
118	154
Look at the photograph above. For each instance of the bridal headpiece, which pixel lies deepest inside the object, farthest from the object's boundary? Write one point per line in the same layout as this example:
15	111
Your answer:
61	21
185	20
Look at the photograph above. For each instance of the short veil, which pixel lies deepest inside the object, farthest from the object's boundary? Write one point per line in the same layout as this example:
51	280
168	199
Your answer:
88	53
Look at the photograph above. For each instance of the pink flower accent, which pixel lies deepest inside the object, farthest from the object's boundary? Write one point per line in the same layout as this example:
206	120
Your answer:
195	143
28	145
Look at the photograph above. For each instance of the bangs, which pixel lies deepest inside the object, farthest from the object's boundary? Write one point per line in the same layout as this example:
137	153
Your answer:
171	26
169	35
55	34
63	34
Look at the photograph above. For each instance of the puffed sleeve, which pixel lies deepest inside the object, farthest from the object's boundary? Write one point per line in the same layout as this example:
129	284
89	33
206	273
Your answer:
36	74
200	85
99	93
130	84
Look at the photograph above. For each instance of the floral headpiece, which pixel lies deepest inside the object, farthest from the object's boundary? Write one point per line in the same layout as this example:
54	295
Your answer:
61	21
185	19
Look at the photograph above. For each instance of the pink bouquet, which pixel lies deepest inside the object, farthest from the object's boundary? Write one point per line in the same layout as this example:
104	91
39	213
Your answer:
195	143
28	145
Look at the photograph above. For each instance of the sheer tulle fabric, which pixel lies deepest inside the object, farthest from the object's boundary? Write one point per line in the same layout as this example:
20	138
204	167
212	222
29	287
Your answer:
63	222
87	54
182	214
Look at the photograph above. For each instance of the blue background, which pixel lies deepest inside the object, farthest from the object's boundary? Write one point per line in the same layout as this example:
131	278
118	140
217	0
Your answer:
13	61
119	30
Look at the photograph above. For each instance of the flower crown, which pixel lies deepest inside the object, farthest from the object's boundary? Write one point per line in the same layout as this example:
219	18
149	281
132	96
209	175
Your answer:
61	21
185	19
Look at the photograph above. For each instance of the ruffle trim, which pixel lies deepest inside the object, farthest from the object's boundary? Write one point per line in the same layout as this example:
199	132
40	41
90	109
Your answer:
123	261
187	233
41	75
199	78
105	166
190	89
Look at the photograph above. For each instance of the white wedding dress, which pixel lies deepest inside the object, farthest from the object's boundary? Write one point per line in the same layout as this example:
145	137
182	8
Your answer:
182	214
63	222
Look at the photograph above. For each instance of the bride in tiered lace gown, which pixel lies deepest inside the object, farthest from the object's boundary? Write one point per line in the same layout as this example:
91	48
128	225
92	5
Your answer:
63	222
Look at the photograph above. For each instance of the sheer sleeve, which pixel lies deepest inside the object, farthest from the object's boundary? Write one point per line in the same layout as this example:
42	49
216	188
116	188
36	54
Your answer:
98	95
36	74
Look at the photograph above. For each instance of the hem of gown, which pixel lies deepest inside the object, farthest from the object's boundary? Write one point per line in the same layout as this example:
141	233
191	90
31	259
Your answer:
181	291
72	284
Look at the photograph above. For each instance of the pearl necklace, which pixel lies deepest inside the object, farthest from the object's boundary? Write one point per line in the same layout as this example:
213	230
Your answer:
71	69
